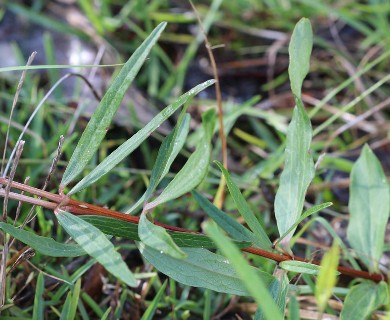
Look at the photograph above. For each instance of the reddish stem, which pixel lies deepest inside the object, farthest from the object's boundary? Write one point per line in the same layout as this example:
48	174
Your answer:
82	208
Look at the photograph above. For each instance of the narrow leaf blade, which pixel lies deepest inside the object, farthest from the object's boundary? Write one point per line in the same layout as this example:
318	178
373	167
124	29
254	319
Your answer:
232	227
131	144
39	303
150	311
327	277
102	117
44	245
96	244
299	51
158	238
245	210
194	170
369	208
297	174
128	230
254	284
169	150
201	268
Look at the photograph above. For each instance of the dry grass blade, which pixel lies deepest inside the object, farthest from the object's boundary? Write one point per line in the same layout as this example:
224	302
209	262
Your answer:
30	60
47	95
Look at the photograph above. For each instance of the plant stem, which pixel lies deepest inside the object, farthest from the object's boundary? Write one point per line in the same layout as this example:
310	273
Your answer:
83	208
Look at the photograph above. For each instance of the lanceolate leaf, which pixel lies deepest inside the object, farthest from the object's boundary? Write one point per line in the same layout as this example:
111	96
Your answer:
158	238
128	230
299	51
363	299
131	144
369	208
307	213
96	244
168	151
297	174
44	245
201	268
102	117
194	170
243	207
232	227
300	267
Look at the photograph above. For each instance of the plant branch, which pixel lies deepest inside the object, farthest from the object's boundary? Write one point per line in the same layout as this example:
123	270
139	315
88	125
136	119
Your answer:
83	208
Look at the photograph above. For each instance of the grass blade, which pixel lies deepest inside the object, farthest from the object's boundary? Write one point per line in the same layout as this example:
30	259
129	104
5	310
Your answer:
131	144
39	303
96	244
149	313
102	117
327	277
254	284
245	210
70	307
369	208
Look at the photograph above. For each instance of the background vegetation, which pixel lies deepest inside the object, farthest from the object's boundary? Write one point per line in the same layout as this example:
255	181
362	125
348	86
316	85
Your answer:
345	96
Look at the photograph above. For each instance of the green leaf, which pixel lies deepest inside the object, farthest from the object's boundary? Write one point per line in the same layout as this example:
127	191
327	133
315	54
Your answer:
255	285
297	174
232	227
102	117
70	306
278	289
158	238
96	244
263	241
363	299
300	267
201	268
150	311
194	170
293	308
169	150
129	230
299	51
307	213
369	209
44	245
39	303
131	144
327	277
